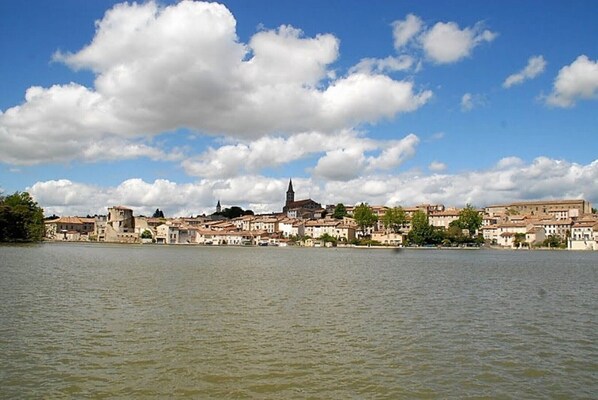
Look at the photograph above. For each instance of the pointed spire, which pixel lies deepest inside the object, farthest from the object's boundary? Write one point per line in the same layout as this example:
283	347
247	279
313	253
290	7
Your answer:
290	193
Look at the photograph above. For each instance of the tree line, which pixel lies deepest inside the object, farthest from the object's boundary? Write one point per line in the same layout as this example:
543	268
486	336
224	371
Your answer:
461	231
21	219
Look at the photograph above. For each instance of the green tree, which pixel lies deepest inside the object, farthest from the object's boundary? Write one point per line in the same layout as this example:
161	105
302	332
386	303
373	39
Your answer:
552	241
519	240
233	212
340	211
158	213
21	219
146	234
421	231
470	219
326	238
454	234
394	219
364	217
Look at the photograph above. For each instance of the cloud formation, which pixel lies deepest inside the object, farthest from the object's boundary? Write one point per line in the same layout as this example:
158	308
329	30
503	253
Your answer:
446	43
159	69
437	166
469	101
511	179
405	30
443	43
535	66
576	81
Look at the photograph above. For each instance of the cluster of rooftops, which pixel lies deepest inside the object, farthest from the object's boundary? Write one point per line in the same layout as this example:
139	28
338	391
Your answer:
306	219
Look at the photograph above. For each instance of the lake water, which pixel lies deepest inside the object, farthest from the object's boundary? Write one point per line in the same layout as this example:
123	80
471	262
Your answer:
114	321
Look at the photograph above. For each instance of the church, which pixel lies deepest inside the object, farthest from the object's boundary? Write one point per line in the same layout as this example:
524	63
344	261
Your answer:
307	208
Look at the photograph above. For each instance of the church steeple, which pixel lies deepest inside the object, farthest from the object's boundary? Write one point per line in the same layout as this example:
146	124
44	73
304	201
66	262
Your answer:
290	193
218	207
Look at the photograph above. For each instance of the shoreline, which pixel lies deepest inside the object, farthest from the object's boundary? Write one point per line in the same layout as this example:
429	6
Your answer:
377	247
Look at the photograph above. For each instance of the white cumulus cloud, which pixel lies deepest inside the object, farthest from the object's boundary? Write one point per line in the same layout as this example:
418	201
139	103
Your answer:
394	153
576	81
447	43
405	30
161	68
535	66
509	180
241	158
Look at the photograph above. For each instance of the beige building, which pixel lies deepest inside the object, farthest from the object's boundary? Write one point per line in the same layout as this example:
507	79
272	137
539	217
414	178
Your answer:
333	227
120	226
291	227
267	224
556	227
560	208
506	233
584	236
70	228
167	234
443	218
388	238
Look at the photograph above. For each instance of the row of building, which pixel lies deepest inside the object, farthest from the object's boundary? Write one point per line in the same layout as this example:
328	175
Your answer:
572	221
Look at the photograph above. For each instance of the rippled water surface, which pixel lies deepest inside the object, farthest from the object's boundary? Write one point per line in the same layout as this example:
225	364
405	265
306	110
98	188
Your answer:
108	321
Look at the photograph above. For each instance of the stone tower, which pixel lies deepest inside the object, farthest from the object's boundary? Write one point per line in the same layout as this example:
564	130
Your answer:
290	194
218	207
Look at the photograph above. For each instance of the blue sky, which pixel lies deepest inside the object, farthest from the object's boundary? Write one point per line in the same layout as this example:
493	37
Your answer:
176	105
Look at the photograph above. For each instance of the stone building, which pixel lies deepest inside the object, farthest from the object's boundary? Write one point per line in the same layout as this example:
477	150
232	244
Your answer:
120	226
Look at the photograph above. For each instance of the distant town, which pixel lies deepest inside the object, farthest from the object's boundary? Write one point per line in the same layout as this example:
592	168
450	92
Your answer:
567	224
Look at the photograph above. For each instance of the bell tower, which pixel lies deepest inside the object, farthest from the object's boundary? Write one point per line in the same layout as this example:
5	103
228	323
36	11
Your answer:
290	193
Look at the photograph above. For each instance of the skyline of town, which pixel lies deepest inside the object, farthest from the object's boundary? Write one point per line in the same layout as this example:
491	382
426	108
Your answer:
178	105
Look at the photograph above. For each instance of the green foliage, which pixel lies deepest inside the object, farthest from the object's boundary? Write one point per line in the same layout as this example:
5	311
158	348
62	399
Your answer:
158	213
421	231
364	217
470	219
519	240
326	238
340	211
454	234
394	219
553	241
21	219
146	234
234	212
594	210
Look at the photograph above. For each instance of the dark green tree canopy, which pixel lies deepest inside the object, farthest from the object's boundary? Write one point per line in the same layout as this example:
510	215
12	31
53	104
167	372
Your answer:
364	217
340	211
421	231
21	219
234	212
158	214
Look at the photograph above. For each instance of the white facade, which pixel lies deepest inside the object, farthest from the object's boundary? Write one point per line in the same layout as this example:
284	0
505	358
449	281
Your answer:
584	236
556	227
167	234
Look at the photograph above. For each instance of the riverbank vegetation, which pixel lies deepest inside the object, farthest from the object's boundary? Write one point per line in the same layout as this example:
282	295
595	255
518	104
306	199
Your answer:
21	219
